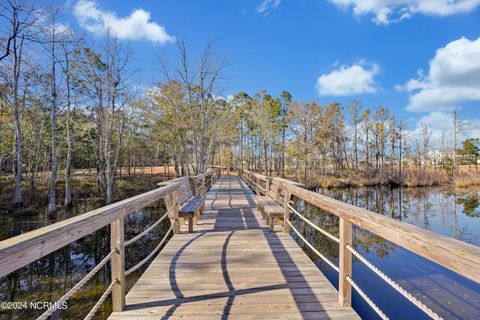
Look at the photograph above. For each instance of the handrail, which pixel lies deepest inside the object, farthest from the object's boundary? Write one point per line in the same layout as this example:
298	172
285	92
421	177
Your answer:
463	258
330	263
141	263
78	286
325	233
146	231
366	298
393	284
21	250
101	300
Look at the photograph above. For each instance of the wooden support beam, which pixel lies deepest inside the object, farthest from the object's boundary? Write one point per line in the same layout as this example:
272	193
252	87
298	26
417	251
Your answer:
118	264
170	201
286	212
190	224
345	264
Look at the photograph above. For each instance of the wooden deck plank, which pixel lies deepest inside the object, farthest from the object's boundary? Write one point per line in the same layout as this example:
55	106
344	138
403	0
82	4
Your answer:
232	267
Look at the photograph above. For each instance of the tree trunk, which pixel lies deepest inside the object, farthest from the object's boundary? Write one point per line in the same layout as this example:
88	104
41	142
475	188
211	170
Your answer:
52	206
17	197
68	182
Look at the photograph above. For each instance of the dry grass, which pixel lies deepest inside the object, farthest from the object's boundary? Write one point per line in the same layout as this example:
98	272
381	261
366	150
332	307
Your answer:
464	181
342	182
424	178
373	177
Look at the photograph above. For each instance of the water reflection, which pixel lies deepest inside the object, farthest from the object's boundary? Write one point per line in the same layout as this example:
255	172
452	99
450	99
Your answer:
49	278
454	214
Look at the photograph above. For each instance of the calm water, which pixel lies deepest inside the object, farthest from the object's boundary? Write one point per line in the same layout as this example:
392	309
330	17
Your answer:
454	214
50	277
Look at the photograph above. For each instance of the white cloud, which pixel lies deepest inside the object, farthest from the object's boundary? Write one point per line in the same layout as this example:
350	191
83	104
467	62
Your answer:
387	11
452	79
136	26
266	6
348	80
440	124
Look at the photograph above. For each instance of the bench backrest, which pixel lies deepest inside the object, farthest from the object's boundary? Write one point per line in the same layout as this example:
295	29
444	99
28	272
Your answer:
184	193
276	193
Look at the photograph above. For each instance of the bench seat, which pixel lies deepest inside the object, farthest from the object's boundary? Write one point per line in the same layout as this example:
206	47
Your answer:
261	200
270	210
191	209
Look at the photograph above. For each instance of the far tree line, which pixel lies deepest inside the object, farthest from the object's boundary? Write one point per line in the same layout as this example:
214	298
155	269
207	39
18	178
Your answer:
66	104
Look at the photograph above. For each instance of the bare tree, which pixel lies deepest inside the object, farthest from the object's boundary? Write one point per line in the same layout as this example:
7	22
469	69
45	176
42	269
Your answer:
355	108
103	78
116	60
366	127
51	33
392	134
426	135
20	18
202	84
401	129
68	43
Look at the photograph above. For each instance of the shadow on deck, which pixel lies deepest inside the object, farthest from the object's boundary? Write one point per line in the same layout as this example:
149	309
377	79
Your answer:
232	267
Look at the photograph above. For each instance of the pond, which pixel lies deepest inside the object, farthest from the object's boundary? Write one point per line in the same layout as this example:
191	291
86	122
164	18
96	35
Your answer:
454	214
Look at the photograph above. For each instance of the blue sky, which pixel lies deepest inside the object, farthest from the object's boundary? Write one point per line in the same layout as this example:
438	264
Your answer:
418	58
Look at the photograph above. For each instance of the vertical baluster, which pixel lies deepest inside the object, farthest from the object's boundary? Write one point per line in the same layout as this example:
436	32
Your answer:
118	264
193	185
345	264
286	212
170	201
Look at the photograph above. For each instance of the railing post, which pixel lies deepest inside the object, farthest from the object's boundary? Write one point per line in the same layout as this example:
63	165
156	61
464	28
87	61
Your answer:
286	212
267	185
203	185
193	185
170	201
345	264
118	264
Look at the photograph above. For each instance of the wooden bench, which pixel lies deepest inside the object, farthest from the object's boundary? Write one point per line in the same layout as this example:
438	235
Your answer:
191	207
261	200
270	210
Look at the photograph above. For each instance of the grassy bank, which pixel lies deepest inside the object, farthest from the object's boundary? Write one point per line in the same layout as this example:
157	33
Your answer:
408	178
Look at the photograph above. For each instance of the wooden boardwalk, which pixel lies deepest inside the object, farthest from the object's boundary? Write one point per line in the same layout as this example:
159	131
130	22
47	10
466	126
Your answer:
232	267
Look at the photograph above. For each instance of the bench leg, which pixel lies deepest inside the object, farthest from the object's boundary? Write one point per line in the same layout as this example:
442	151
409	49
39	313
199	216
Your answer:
272	223
190	224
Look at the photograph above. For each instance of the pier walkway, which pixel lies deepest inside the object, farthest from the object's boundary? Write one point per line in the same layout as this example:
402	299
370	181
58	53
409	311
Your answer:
232	267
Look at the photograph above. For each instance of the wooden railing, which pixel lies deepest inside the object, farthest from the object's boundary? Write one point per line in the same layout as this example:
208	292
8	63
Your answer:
458	256
21	250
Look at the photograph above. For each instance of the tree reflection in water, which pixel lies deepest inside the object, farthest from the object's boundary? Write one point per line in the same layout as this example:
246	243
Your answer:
452	213
49	278
455	214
